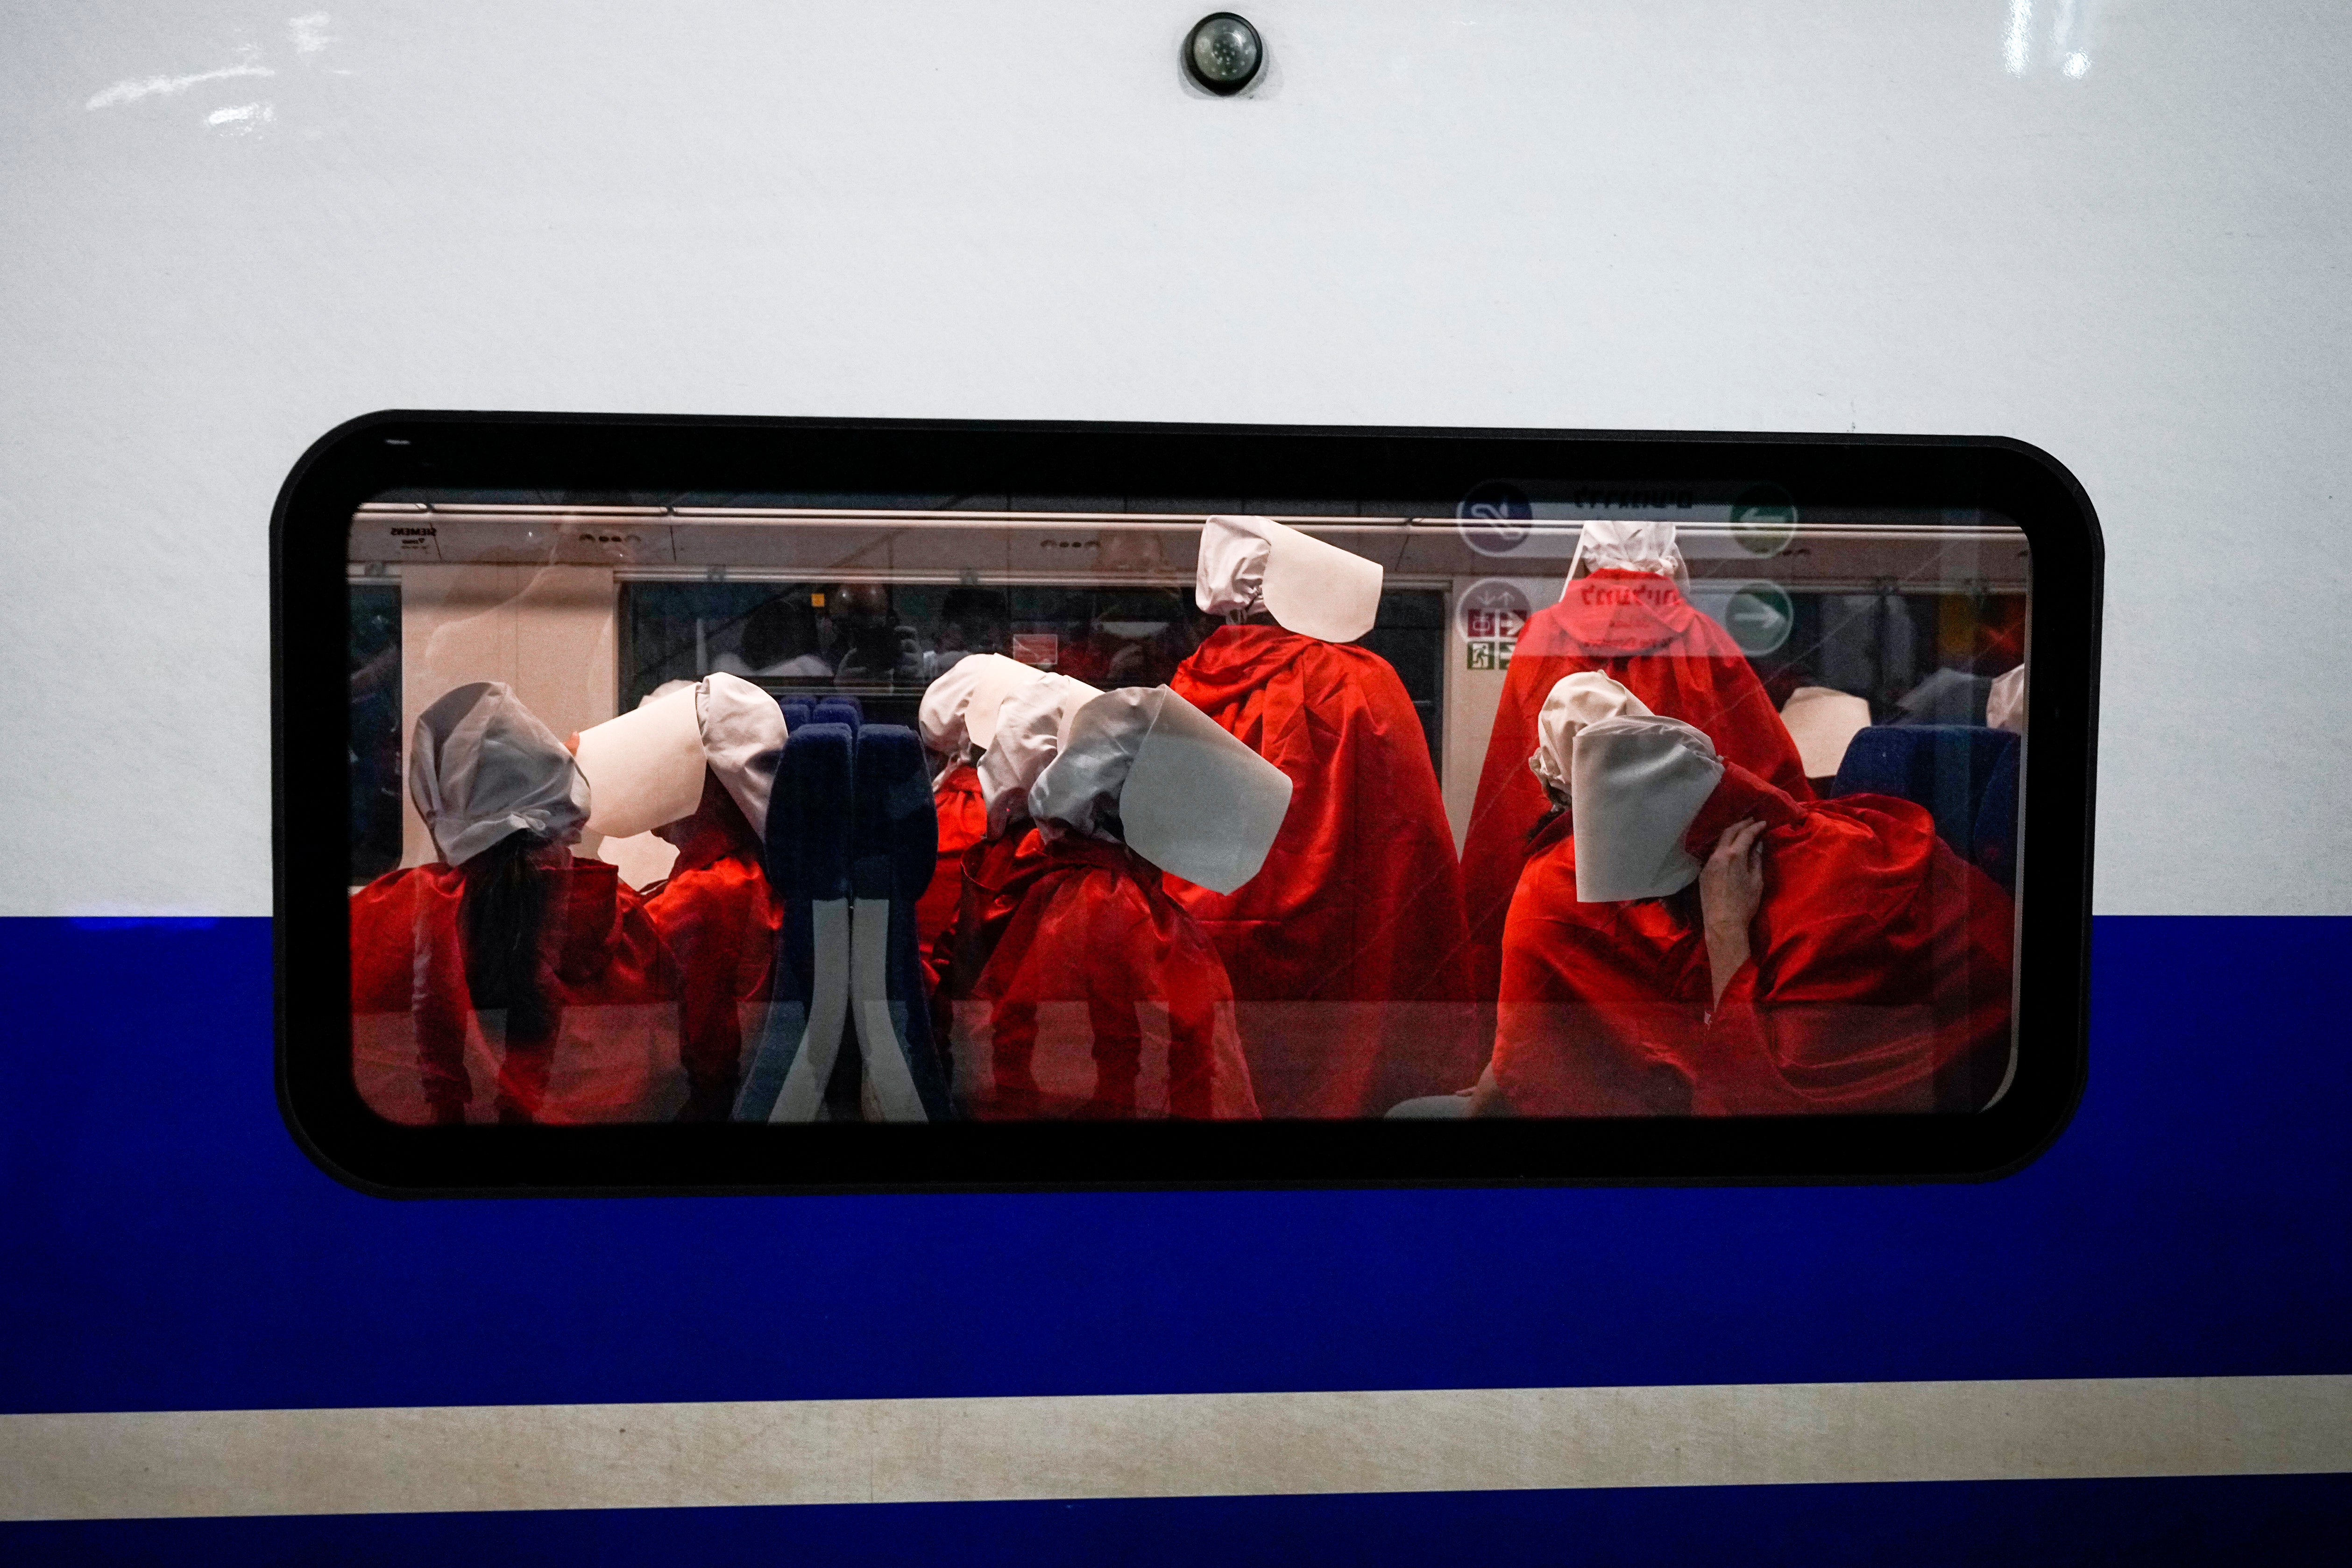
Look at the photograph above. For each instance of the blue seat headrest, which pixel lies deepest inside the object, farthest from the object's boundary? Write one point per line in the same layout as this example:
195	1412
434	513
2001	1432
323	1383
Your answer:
798	711
839	710
809	818
1944	767
896	820
1995	849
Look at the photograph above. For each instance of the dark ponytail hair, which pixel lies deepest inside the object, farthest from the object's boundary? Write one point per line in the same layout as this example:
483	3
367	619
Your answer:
1685	905
1556	805
502	913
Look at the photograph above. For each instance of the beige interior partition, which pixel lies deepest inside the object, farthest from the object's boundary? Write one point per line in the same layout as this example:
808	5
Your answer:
547	631
1471	697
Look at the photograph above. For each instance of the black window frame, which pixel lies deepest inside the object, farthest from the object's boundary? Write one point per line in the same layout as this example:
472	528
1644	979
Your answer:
580	457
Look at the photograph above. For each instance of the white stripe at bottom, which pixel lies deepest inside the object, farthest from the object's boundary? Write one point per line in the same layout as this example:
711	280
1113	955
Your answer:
464	1458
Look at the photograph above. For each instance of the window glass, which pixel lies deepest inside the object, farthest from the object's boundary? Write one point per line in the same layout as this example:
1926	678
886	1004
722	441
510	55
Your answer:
1620	805
377	791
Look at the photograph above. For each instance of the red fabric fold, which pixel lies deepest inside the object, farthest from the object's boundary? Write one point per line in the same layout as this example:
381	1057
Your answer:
994	877
720	919
1101	999
963	821
1879	979
421	1054
1346	949
1636	628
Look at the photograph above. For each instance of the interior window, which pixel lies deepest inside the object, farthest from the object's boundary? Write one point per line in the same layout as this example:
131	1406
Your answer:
1633	804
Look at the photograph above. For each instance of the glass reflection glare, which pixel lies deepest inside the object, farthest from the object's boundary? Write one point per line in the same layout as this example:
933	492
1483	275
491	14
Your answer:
2069	38
2014	45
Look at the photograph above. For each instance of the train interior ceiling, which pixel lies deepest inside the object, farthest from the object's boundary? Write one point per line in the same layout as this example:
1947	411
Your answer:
586	609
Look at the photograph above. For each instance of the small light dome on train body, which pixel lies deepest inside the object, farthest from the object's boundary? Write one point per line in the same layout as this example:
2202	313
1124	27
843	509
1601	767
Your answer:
1224	53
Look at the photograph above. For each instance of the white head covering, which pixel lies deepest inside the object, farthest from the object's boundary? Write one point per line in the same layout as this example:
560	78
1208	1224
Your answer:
740	730
1636	786
1188	798
958	709
645	766
1029	726
1308	586
743	734
1585	697
2005	703
1823	721
481	765
1629	545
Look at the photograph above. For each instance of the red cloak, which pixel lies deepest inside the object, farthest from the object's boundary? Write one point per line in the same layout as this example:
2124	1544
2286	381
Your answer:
963	821
421	1054
1102	999
1636	628
720	919
994	878
1346	949
1879	979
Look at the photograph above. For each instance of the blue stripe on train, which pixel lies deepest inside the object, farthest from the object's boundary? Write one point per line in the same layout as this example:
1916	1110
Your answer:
2277	1521
165	1244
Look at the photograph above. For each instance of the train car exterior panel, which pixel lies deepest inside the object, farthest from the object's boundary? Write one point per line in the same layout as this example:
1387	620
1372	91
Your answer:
2114	230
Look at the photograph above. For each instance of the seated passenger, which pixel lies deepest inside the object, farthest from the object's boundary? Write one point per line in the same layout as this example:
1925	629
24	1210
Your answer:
958	720
1624	615
996	872
972	620
781	640
872	644
508	981
1103	999
1829	956
1347	951
721	738
1576	700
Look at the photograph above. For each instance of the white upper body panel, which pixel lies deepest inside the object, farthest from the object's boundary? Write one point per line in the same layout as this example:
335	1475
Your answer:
2115	230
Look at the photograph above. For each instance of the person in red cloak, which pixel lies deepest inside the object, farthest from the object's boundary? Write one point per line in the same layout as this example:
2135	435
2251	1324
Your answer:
1102	998
995	873
1346	953
958	721
1832	956
1628	619
508	981
716	910
963	823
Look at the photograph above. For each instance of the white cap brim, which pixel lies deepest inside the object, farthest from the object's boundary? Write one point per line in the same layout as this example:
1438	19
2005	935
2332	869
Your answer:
1635	787
644	769
1312	587
1199	804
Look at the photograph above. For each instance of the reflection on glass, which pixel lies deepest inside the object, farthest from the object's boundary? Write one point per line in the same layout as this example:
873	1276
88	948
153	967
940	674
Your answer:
787	814
375	727
2068	38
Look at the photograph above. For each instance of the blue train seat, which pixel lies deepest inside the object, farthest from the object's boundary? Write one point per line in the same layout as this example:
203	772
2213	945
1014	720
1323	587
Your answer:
808	863
839	710
893	852
798	711
1947	768
1995	849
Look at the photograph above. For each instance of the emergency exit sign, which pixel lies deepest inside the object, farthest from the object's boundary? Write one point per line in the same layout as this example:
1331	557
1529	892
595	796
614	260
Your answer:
1492	614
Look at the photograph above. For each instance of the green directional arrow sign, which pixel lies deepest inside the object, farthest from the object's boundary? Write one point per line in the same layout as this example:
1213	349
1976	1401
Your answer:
1760	617
1764	520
